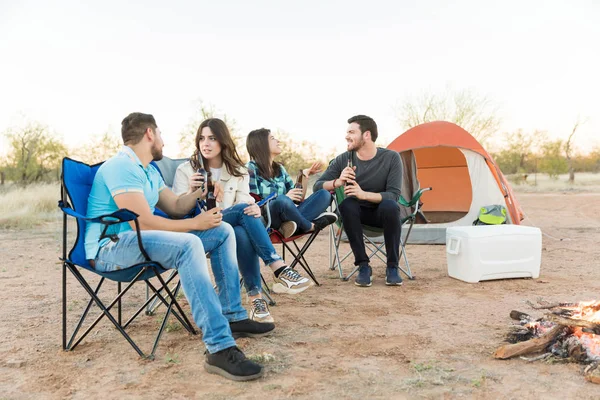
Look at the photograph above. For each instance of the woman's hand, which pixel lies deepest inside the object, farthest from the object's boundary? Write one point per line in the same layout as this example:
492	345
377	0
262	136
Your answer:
196	182
295	194
316	167
253	210
218	192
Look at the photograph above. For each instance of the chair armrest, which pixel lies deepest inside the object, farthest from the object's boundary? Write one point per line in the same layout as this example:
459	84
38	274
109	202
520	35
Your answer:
264	205
267	199
415	198
117	217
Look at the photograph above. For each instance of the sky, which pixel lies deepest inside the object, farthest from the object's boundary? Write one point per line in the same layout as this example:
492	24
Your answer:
304	67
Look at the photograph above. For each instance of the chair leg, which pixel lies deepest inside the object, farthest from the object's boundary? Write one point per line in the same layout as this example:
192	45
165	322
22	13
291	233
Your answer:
153	297
350	274
299	256
403	242
84	315
335	243
119	307
173	299
267	291
152	306
64	306
406	271
164	321
105	310
181	318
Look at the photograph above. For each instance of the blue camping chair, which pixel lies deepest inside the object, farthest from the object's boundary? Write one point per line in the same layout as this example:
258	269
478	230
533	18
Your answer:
76	184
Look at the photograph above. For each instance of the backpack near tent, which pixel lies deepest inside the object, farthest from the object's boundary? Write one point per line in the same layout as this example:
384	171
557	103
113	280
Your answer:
463	175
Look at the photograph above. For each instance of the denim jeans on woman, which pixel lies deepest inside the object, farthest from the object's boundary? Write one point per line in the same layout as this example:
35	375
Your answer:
283	209
186	253
252	242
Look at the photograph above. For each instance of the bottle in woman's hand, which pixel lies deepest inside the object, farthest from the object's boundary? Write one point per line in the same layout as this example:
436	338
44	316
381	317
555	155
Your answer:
204	176
298	185
211	200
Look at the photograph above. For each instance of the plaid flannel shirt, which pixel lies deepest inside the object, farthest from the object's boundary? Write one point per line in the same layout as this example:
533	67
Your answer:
263	187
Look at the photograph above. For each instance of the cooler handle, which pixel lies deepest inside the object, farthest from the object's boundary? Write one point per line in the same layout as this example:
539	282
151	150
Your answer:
453	245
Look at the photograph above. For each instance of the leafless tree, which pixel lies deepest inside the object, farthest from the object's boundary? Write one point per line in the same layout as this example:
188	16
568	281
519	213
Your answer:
477	114
569	149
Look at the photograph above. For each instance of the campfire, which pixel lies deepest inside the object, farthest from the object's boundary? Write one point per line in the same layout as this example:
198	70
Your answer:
568	332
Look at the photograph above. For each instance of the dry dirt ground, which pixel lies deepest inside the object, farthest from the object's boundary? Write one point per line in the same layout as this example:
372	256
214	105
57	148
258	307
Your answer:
431	338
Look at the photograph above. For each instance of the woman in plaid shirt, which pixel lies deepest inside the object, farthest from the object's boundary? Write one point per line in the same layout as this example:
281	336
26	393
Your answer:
268	176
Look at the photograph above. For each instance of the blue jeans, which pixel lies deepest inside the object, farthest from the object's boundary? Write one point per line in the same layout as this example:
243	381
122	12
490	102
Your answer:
252	242
283	209
186	253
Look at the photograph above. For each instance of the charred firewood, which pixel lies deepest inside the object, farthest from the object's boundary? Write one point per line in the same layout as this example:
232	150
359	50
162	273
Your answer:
520	316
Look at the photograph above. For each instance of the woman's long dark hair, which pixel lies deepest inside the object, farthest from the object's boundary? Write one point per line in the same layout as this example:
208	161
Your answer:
229	154
259	151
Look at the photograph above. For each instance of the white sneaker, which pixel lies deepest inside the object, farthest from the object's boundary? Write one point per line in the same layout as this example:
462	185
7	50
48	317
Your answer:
290	281
260	311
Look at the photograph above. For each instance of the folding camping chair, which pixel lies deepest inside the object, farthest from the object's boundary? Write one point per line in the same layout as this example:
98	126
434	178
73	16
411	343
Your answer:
76	183
409	211
297	252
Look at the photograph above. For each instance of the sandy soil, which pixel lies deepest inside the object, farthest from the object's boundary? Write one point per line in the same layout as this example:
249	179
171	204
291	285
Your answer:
431	338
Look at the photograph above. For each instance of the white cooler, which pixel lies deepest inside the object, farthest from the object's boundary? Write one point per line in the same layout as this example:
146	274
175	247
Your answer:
479	253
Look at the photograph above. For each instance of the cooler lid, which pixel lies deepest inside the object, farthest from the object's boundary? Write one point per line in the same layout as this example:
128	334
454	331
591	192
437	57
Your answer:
491	230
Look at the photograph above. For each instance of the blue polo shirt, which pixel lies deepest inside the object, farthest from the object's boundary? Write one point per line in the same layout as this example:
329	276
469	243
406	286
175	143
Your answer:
123	173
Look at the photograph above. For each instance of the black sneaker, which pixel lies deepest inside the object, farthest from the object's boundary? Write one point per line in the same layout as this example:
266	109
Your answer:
249	328
232	364
364	276
392	276
324	219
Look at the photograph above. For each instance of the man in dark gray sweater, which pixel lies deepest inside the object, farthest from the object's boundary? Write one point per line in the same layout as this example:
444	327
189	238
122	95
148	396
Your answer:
372	178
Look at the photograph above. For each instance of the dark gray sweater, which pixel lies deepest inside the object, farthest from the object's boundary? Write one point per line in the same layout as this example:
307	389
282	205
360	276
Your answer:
381	174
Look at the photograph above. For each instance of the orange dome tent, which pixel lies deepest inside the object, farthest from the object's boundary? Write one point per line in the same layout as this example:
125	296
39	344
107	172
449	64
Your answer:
463	175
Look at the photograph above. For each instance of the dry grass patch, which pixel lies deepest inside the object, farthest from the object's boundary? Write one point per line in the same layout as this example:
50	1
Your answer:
26	207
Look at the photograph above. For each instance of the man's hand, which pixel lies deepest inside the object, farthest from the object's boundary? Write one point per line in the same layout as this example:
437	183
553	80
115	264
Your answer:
347	174
218	192
353	189
252	210
209	219
295	194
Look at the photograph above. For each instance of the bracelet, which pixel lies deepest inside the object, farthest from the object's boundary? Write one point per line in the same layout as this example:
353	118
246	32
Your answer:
334	183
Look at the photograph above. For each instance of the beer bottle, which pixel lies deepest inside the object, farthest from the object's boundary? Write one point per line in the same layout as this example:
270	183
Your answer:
211	200
298	185
204	174
349	164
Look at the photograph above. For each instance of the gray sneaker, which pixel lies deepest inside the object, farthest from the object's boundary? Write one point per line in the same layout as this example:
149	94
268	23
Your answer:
290	281
260	311
288	228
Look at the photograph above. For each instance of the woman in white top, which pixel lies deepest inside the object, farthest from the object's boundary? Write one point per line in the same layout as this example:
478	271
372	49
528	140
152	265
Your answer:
215	151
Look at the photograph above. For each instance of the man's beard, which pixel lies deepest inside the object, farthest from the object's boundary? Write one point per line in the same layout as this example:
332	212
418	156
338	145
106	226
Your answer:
157	154
357	146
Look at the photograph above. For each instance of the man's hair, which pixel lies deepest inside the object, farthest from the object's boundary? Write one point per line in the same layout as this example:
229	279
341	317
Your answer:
135	125
366	124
